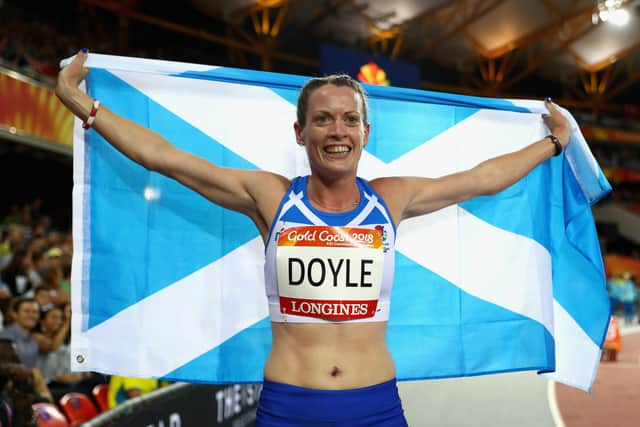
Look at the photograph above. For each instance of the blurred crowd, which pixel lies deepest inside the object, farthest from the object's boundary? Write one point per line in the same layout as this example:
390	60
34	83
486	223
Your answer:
25	41
35	316
27	29
35	312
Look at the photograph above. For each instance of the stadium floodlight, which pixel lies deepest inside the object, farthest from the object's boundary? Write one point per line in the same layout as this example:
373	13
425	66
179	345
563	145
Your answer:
610	11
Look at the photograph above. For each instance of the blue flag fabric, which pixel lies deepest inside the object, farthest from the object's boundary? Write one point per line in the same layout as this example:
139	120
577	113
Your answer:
166	284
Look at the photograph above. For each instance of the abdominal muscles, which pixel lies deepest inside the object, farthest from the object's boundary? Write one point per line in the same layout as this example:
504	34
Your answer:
330	356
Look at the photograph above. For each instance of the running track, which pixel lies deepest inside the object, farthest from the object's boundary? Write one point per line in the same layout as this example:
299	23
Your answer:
528	400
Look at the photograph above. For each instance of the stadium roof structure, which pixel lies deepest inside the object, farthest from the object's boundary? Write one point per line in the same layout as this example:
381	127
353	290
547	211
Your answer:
570	48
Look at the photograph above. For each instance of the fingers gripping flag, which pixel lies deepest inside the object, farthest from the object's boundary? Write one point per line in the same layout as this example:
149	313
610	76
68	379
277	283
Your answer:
169	285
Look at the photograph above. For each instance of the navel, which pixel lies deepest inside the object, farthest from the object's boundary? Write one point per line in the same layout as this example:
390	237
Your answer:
335	371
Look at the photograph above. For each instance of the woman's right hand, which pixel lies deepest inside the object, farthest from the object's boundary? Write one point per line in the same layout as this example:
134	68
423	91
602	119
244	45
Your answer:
70	76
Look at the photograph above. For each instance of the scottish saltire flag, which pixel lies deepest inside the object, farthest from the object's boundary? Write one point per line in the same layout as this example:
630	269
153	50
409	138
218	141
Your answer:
168	285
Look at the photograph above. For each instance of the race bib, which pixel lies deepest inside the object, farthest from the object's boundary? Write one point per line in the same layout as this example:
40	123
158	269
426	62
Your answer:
333	273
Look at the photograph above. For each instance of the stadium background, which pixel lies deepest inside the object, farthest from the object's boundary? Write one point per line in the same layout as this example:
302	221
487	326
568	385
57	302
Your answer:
508	48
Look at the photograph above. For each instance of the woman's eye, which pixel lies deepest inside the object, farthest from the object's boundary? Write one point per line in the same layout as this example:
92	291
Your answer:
352	120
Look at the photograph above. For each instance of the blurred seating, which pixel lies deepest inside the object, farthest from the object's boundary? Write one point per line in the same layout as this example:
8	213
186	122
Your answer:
48	415
78	408
101	395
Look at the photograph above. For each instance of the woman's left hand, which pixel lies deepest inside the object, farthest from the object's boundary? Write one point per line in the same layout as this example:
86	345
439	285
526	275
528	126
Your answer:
557	123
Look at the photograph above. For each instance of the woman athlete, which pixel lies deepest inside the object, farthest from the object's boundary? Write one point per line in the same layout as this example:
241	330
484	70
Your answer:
329	241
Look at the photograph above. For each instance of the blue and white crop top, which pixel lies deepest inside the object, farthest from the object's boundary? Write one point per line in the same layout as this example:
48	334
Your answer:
326	267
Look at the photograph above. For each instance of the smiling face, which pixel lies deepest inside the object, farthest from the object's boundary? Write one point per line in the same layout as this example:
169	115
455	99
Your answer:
27	315
335	132
52	320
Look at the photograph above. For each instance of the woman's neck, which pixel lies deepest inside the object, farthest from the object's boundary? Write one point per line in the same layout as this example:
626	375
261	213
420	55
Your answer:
339	195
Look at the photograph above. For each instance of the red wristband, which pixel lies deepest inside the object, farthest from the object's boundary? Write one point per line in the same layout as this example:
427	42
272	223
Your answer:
92	114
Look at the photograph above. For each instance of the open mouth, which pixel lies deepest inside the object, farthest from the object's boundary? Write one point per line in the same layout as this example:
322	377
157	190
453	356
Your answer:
337	149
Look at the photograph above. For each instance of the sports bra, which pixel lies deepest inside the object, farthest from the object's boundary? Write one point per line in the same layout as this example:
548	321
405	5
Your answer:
329	267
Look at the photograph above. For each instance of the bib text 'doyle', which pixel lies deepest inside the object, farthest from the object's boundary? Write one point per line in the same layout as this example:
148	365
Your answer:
333	273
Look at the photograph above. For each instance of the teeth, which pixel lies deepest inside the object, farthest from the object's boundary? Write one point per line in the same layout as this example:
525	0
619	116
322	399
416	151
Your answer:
337	149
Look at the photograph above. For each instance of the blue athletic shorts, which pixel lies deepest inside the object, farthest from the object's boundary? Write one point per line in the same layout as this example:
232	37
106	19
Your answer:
285	405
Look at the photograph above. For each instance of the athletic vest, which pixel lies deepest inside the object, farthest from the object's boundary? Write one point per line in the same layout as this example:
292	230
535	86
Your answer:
327	267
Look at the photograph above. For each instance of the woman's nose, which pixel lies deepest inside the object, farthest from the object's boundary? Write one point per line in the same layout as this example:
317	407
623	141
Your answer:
338	128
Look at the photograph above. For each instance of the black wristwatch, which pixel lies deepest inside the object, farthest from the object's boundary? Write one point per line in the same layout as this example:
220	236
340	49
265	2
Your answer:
556	142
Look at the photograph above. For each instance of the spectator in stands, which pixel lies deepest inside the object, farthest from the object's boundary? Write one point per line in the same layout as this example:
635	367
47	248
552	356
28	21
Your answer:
54	237
42	296
52	330
16	388
54	257
628	297
54	365
17	274
27	315
52	280
13	239
38	263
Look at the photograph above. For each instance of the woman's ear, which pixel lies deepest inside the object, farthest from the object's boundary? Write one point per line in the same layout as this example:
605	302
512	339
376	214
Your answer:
299	133
367	130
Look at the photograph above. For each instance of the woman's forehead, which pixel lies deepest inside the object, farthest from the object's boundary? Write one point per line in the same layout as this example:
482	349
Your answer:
335	97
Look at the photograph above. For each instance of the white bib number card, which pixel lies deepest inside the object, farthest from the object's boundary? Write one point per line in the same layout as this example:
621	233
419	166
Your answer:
333	273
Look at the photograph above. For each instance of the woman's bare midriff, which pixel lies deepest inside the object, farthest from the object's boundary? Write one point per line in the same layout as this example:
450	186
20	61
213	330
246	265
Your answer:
336	356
